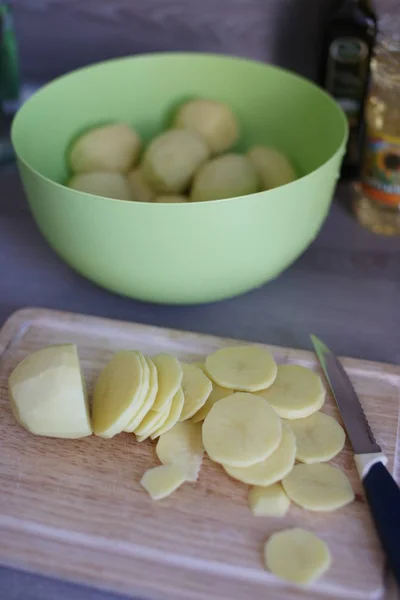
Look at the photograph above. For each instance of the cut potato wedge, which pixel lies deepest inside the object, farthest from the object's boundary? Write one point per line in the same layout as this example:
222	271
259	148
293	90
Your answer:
118	393
270	501
182	445
169	380
217	393
174	415
241	430
149	399
297	555
244	368
47	393
318	487
159	482
319	438
196	388
296	393
272	469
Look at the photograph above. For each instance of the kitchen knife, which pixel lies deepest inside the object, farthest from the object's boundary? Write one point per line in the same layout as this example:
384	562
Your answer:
381	490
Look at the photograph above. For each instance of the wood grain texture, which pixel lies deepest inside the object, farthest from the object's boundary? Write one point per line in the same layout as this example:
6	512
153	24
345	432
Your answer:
74	508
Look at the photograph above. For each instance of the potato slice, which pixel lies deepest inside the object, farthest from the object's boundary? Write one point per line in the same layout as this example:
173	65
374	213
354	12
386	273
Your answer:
140	189
226	176
318	487
217	393
119	392
268	501
213	120
148	400
319	438
174	414
176	198
169	379
152	421
161	481
244	368
112	147
47	393
182	445
172	159
241	430
196	389
272	469
296	393
109	185
297	555
273	168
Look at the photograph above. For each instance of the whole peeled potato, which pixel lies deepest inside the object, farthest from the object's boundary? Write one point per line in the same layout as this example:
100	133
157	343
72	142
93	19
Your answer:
140	189
213	120
225	177
113	147
173	199
110	185
171	160
273	168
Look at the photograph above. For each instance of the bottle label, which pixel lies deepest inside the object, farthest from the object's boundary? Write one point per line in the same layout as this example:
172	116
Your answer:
380	178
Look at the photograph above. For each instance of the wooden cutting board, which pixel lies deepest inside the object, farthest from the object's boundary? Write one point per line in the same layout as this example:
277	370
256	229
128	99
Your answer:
74	509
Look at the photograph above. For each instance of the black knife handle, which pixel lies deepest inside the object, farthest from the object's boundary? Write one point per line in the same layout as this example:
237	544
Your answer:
383	495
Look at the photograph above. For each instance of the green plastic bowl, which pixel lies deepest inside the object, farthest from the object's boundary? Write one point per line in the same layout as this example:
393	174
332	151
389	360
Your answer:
181	253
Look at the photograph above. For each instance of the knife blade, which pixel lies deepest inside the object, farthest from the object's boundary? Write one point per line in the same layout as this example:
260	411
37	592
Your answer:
381	490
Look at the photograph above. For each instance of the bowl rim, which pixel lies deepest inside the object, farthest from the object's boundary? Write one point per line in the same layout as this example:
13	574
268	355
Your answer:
184	56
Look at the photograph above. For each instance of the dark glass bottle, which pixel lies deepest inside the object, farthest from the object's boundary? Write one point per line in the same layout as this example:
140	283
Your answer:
347	48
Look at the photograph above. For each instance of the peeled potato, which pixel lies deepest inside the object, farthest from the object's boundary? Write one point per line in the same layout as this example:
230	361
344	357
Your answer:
226	176
268	501
119	392
140	189
217	393
196	389
112	147
244	368
241	430
276	466
318	487
297	556
170	376
109	185
148	400
319	438
171	160
182	445
153	421
273	168
161	481
47	393
171	199
213	120
173	416
296	393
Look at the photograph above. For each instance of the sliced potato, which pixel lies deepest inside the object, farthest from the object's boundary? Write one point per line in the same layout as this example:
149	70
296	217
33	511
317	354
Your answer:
159	482
241	430
176	198
213	120
182	445
319	438
172	159
118	393
112	147
47	393
270	501
244	368
169	379
296	393
272	469
148	400
226	176
297	555
140	189
217	393
153	421
196	389
273	168
109	185
318	487
173	416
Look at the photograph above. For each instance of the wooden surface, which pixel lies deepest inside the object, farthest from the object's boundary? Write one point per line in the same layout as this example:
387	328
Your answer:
75	509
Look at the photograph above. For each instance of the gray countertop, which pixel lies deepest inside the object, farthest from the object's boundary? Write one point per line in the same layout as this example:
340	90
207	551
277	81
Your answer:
345	288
